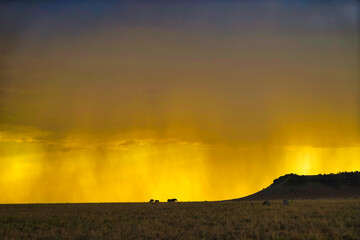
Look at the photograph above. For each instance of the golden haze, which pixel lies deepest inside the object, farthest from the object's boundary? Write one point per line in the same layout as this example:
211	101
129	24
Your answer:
81	170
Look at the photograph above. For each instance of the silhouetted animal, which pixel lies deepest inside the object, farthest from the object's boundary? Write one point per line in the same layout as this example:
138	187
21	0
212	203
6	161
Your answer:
286	202
156	201
267	203
151	201
172	200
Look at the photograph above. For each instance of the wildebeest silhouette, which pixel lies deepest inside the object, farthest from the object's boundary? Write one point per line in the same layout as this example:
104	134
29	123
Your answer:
172	200
267	203
286	202
151	201
156	201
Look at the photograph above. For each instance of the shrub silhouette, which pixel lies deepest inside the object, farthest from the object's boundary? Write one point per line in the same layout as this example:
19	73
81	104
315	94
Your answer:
333	180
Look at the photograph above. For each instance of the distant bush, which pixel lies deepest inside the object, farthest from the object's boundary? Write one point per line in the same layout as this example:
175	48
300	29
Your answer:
334	180
291	180
342	178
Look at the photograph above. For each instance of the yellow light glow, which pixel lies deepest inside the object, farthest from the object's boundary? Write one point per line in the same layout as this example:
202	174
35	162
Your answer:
140	169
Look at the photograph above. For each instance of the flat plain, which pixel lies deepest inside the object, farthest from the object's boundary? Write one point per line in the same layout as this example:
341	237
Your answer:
302	219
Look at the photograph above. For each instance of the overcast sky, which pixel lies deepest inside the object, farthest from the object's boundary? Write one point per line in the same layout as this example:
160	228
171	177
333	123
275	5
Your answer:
193	99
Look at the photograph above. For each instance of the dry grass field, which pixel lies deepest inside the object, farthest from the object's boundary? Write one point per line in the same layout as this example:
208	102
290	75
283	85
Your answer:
303	219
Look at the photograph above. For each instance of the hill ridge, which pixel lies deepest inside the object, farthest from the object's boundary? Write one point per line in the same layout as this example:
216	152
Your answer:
293	186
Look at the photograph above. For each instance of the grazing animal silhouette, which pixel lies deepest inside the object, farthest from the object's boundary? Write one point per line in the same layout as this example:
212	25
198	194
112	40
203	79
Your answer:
267	203
286	202
172	200
151	201
156	201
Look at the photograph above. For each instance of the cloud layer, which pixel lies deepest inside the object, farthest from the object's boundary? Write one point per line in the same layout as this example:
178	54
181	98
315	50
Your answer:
188	99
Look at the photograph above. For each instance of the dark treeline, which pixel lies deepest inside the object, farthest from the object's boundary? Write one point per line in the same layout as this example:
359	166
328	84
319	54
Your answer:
335	180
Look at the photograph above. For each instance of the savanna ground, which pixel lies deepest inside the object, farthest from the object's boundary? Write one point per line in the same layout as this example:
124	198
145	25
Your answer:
303	219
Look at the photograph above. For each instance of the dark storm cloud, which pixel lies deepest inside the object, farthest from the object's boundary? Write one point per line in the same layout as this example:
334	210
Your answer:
232	71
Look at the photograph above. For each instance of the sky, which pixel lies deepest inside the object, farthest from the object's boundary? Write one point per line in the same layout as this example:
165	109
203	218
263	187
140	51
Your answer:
109	101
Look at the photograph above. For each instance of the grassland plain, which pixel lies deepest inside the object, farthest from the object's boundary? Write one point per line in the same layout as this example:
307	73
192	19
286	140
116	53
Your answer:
303	219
